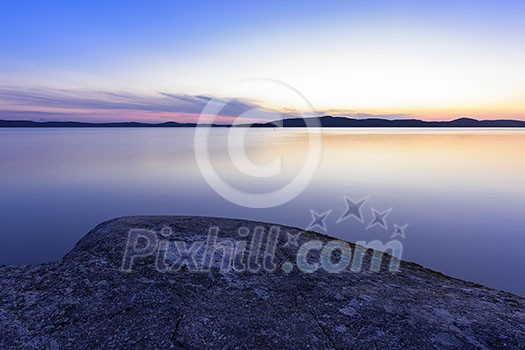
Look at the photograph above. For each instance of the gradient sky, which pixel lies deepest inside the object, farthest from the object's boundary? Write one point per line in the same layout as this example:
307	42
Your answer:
163	60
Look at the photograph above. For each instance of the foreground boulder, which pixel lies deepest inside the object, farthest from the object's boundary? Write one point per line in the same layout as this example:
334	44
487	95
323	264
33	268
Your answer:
160	287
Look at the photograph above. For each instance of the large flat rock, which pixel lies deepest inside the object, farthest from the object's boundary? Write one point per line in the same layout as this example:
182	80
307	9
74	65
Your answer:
87	300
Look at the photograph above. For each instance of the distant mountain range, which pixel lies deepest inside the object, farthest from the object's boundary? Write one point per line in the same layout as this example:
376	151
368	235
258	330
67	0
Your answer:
325	121
342	122
69	124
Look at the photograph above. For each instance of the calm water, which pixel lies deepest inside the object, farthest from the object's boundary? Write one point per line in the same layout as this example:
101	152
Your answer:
462	192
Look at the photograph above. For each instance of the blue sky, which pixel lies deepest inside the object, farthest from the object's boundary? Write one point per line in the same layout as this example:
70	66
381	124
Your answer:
122	60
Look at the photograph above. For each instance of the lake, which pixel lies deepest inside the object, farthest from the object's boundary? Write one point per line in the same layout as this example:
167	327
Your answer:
461	191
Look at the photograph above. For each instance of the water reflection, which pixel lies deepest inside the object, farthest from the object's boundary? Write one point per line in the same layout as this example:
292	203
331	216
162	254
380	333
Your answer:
461	191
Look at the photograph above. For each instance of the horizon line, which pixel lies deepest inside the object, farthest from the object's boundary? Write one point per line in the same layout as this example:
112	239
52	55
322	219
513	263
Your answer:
425	123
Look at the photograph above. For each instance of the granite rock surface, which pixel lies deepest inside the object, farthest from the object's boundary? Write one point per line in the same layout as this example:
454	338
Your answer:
116	290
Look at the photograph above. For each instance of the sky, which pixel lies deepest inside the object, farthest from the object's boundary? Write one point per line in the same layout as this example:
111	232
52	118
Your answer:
156	61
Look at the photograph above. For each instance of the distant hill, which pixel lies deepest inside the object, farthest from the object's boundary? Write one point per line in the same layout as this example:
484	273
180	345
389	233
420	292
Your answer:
70	124
342	122
325	121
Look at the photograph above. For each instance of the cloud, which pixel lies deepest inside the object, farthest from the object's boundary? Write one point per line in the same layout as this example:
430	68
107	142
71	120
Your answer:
31	103
105	106
7	114
358	115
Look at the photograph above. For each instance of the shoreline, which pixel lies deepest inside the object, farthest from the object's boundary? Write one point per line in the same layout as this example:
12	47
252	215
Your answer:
316	122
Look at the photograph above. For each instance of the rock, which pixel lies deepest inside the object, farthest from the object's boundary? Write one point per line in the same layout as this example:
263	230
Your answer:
88	300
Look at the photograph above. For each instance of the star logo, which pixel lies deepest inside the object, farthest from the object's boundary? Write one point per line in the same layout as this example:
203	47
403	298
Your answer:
399	231
318	219
353	209
379	218
292	240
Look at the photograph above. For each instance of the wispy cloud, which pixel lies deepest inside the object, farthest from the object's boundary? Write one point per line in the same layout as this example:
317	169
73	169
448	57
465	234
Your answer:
360	115
95	105
34	103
